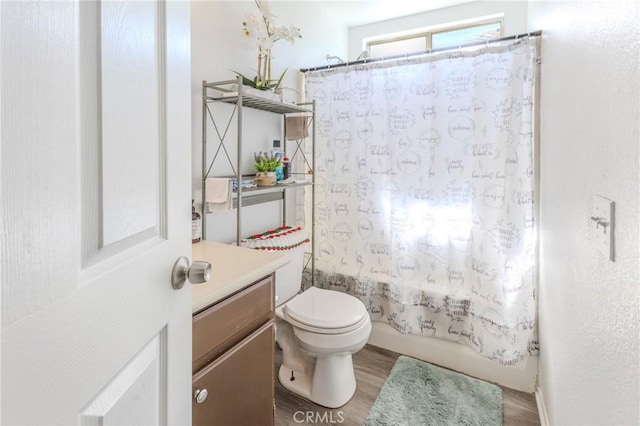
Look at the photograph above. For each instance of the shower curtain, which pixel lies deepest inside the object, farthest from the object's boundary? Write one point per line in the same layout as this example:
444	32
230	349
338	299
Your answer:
425	194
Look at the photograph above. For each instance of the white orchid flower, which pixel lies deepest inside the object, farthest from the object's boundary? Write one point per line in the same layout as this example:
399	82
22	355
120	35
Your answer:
266	33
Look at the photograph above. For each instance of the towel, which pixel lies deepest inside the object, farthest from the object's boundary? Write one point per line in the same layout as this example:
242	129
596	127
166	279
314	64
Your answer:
218	195
282	238
296	127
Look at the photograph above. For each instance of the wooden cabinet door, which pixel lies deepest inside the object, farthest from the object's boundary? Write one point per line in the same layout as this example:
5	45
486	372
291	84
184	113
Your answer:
225	324
239	384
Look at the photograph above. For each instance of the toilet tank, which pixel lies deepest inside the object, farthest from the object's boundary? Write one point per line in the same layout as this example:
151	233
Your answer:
289	277
288	241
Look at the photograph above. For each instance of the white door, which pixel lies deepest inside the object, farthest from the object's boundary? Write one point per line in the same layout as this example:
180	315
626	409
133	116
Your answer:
95	178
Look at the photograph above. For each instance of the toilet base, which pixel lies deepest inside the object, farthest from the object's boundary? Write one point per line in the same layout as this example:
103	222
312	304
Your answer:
332	384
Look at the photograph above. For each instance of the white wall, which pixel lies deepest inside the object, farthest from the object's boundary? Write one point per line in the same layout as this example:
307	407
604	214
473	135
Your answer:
515	20
218	46
589	325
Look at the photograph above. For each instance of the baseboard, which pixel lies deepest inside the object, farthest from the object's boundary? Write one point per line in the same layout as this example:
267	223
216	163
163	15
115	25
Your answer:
542	409
457	357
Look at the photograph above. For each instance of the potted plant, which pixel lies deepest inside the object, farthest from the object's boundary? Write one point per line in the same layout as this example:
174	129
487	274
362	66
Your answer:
266	165
269	89
256	83
265	32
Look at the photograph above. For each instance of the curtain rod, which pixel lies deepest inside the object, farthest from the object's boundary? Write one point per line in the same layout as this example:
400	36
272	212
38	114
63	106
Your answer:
425	52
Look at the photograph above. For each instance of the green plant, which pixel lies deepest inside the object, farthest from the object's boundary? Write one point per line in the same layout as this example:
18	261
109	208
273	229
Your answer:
265	162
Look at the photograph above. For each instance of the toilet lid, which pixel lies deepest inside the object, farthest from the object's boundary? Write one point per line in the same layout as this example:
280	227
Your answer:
325	309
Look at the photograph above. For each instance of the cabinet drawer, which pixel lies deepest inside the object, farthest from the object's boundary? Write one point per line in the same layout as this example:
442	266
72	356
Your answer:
226	323
239	384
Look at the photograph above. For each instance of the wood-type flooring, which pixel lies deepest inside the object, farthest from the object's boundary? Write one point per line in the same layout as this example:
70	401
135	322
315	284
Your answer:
372	365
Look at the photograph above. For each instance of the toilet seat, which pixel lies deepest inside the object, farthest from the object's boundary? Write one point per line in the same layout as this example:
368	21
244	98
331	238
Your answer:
325	311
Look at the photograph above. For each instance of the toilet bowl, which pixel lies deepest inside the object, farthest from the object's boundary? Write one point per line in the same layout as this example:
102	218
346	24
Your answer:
318	330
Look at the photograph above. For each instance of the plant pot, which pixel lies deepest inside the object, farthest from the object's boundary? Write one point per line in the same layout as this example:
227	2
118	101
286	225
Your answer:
266	178
264	94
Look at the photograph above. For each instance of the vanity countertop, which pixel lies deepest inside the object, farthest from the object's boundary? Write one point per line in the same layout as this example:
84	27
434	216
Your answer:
232	269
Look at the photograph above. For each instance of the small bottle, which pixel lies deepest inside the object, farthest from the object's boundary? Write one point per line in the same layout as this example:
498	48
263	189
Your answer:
196	224
286	163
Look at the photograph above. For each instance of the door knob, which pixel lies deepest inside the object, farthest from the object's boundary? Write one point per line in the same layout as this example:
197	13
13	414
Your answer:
201	395
199	272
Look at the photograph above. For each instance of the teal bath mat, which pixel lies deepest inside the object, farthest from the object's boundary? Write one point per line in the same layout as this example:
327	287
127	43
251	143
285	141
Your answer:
417	393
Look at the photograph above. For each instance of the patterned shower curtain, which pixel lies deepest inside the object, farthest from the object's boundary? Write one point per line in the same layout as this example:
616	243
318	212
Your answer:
425	194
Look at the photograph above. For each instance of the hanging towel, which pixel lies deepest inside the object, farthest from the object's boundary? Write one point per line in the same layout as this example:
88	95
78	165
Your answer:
296	127
218	195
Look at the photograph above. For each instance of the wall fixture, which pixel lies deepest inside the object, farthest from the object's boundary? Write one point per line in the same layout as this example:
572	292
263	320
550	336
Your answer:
336	58
601	226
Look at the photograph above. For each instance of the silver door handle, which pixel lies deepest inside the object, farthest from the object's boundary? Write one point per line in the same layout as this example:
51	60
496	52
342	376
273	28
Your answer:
199	272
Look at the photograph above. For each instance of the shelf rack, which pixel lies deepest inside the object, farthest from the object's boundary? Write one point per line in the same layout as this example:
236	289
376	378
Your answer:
232	92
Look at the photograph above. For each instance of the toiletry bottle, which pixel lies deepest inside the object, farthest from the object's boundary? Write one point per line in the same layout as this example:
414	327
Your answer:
287	167
196	224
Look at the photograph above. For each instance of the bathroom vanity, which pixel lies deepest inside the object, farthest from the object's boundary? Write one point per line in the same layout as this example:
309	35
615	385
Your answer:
233	336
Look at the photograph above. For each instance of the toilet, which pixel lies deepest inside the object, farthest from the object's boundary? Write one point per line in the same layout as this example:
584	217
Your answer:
318	330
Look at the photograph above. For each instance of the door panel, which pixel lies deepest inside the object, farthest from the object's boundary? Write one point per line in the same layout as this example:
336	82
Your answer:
132	140
38	136
93	213
142	383
122	99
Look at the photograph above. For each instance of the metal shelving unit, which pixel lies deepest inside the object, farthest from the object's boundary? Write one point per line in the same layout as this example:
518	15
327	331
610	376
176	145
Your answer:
232	92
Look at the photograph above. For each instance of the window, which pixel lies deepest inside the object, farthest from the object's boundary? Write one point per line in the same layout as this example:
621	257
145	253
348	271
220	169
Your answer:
460	36
435	39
